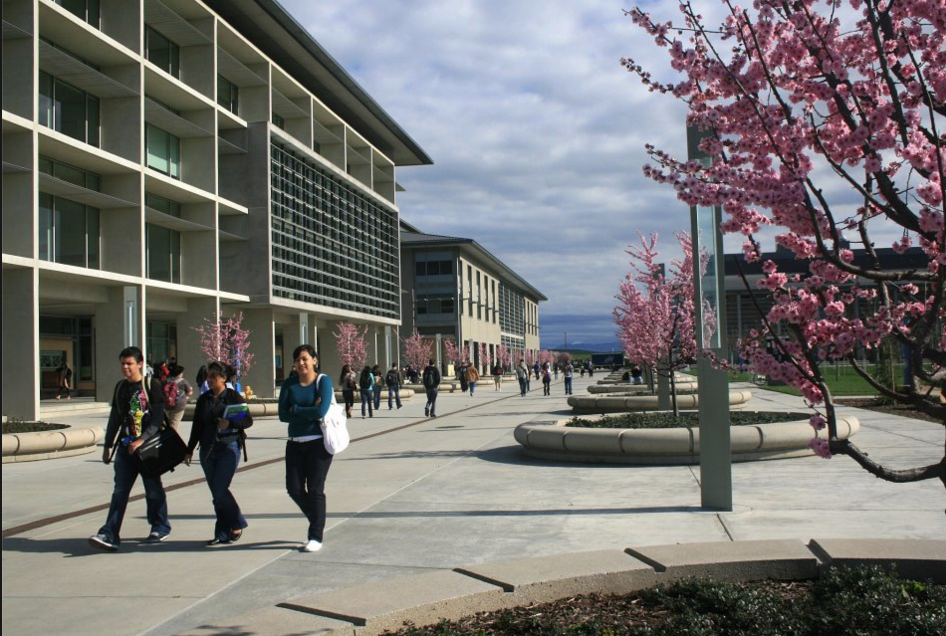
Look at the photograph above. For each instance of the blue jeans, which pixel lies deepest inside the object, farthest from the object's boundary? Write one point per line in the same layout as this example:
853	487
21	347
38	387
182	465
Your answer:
472	387
568	385
126	472
523	386
367	397
377	397
394	393
431	405
220	464
307	465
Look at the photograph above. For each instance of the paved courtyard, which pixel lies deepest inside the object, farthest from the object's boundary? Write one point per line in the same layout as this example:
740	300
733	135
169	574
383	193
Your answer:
428	495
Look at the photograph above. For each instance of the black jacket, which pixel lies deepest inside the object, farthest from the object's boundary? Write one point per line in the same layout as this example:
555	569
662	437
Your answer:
120	415
206	413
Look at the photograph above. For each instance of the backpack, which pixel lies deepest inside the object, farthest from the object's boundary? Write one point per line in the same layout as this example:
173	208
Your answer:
170	390
391	378
430	378
365	380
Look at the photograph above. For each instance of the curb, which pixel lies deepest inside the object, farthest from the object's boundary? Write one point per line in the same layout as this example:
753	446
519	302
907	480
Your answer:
425	599
669	446
67	442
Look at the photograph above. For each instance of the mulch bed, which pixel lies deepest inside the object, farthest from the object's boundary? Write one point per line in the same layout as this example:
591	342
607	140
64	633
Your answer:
873	404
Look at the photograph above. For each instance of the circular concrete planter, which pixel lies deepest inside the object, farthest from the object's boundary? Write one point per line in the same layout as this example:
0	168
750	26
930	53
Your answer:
632	403
674	446
624	387
66	442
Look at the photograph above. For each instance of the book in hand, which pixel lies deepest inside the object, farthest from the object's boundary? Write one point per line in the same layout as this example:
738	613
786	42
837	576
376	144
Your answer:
236	412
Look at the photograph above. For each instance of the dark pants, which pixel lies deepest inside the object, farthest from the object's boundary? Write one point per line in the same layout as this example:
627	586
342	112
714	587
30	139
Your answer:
307	465
377	397
568	385
394	393
546	388
523	385
431	401
367	397
126	472
220	465
349	396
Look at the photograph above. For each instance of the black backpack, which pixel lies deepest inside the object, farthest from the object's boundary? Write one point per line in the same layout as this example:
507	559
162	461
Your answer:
391	378
365	380
430	378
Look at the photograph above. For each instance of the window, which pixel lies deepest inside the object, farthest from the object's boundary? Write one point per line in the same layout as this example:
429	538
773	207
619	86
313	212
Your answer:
68	232
163	247
68	110
279	121
162	52
436	305
163	151
161	204
73	175
228	95
86	10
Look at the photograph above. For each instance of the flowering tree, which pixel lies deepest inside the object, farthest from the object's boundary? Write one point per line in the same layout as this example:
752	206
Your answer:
485	358
352	344
530	359
226	341
451	351
417	351
823	118
504	356
655	314
564	358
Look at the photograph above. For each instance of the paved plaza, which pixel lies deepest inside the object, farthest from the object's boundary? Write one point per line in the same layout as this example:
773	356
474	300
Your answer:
412	496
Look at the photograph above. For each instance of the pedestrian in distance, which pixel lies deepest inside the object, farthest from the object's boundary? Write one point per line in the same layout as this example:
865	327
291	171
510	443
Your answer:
64	381
219	430
522	375
463	377
498	376
472	377
568	372
348	382
378	385
304	400
546	379
366	387
431	378
393	381
136	415
181	391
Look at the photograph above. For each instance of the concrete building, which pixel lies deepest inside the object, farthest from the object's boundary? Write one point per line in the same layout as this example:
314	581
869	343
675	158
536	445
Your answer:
164	160
461	291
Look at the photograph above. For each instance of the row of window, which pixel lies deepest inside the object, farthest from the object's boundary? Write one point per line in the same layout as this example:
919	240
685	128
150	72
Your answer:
433	305
433	268
331	245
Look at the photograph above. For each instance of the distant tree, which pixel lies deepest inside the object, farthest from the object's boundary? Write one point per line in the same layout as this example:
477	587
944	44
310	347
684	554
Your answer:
451	351
227	341
530	359
485	358
655	314
352	344
504	356
565	358
417	351
824	118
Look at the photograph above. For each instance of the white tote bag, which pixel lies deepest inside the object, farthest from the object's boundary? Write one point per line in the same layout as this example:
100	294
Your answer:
334	426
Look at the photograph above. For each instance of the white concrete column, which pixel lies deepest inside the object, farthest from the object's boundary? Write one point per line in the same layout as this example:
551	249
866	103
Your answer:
21	373
262	375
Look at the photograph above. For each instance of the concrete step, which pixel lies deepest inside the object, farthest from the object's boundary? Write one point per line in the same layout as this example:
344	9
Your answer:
76	406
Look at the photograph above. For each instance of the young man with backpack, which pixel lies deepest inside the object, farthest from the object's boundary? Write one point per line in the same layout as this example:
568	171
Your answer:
431	386
177	390
137	415
365	386
393	381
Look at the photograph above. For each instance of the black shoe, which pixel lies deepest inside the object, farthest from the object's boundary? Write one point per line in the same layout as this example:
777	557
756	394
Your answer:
217	541
103	542
426	412
235	536
157	537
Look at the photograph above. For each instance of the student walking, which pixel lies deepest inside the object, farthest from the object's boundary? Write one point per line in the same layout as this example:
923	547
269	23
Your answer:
366	386
221	438
522	374
137	414
431	378
393	381
181	390
546	379
303	401
377	375
347	381
568	372
64	381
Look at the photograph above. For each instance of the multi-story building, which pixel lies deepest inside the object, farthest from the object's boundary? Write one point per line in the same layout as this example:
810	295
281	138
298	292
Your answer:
459	290
165	160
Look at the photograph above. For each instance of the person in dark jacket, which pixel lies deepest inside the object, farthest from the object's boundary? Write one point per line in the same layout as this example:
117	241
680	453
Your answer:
137	414
303	402
221	438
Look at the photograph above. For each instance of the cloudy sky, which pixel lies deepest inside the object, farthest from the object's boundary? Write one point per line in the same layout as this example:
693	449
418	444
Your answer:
536	131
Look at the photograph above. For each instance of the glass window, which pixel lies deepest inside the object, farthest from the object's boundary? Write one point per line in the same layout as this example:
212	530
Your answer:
68	232
279	121
163	253
163	151
162	52
161	204
87	10
68	110
228	95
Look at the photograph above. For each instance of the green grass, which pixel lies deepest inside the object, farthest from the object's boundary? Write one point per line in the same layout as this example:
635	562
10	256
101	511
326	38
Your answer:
842	380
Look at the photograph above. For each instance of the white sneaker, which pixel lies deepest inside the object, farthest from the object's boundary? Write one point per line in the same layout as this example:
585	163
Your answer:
312	546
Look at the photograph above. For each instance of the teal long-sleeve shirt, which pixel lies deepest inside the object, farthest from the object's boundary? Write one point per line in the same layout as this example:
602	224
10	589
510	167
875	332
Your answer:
298	408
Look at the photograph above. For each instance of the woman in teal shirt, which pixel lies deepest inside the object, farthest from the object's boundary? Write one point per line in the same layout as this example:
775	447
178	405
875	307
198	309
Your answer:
303	401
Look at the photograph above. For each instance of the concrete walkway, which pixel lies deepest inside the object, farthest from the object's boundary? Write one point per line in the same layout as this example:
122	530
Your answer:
426	497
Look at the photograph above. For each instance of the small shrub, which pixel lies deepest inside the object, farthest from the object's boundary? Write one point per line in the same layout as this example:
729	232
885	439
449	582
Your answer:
19	426
665	419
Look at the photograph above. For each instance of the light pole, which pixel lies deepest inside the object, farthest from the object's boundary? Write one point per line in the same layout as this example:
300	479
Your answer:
709	295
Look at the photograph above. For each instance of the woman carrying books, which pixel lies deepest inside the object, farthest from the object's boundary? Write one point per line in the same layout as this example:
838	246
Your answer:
220	417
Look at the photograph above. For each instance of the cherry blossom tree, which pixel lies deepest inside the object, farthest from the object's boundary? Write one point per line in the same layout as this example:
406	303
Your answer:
485	358
225	340
504	357
352	344
655	313
417	351
564	358
825	123
451	351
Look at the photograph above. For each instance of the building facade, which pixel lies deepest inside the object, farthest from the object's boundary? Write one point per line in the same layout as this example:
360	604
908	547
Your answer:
460	291
166	160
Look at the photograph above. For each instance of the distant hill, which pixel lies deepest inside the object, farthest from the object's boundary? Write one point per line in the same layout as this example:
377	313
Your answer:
585	348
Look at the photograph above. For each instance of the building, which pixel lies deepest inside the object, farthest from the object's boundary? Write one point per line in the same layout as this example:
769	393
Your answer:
164	160
459	290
